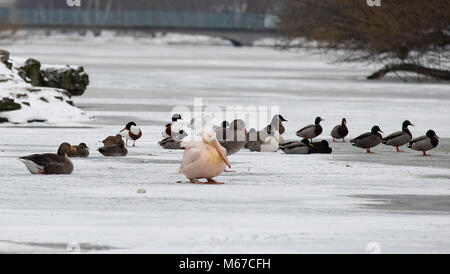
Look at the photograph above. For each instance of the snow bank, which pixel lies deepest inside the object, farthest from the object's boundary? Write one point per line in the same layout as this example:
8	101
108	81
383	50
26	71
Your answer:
106	37
38	104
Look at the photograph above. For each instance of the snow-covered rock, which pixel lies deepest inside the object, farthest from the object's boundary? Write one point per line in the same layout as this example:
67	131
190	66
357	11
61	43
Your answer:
23	103
70	78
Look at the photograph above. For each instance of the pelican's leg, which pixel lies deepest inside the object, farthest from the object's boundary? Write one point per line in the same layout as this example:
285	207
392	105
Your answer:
213	182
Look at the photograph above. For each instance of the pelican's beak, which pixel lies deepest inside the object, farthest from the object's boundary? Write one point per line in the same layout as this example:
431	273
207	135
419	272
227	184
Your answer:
222	154
73	148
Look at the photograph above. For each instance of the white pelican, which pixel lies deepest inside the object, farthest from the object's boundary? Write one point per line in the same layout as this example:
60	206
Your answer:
203	158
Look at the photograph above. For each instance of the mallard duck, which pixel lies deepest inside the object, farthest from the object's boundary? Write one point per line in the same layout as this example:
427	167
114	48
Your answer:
50	163
113	146
131	132
369	139
340	131
425	143
296	147
399	138
311	131
82	150
322	147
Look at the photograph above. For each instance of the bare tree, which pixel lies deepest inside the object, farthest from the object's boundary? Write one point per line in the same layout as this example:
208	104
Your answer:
402	35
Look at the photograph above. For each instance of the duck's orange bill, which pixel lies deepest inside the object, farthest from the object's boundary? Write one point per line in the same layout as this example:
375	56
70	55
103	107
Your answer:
222	154
73	148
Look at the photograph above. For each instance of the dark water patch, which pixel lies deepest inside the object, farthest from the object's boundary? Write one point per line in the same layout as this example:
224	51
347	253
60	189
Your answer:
412	204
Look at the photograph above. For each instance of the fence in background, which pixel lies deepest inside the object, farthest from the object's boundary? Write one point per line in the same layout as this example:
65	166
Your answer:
136	18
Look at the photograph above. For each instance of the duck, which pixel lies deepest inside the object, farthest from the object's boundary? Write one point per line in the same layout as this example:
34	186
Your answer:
368	140
399	138
82	151
232	137
113	140
223	125
113	146
425	143
270	143
275	124
322	147
203	158
49	163
173	142
296	147
311	131
131	132
340	131
175	124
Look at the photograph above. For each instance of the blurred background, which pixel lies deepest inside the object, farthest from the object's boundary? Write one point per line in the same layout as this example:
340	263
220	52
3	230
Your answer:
199	16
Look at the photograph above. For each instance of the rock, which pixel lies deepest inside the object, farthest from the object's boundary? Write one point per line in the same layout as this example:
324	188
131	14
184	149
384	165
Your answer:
43	99
141	191
72	79
37	121
4	58
7	104
4	55
3	120
31	72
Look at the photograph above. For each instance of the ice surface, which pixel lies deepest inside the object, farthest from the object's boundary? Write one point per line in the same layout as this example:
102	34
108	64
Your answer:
273	203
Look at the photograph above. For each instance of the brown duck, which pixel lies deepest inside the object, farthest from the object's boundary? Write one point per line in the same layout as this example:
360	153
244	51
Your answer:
82	151
50	163
113	146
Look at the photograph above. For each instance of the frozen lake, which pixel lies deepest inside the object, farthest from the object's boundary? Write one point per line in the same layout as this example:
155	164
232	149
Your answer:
273	203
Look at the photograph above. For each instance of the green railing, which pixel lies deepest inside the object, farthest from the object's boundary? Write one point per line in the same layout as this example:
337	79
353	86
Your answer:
136	18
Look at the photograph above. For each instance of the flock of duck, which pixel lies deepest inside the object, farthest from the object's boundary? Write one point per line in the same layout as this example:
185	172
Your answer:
206	153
